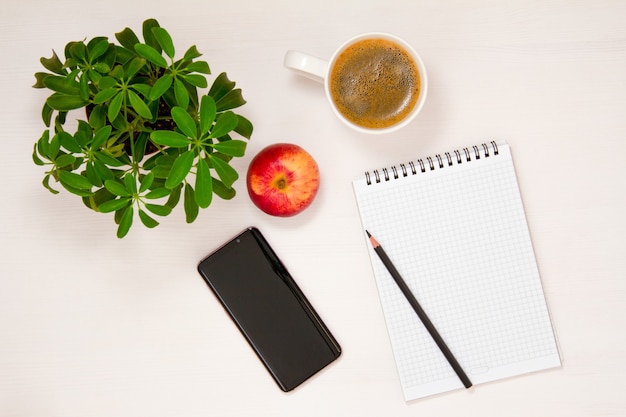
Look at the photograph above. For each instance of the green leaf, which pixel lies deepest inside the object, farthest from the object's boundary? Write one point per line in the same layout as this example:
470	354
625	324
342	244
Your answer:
46	114
144	89
196	80
184	122
43	144
78	50
84	133
151	161
54	147
114	205
115	106
105	95
125	223
180	169
139	147
165	40
158	193
191	53
97	118
244	127
68	142
36	158
77	191
181	94
90	75
147	221
227	174
39	79
97	198
91	174
117	73
207	114
159	210
139	105
161	172
46	184
191	207
127	38
122	54
84	87
151	55
107	82
231	147
200	66
116	188
226	193
174	197
169	138
101	67
74	180
224	124
146	182
107	159
168	159
101	137
231	100
131	183
97	47
221	86
61	118
161	86
61	85
204	186
53	64
64	160
148	36
62	102
134	66
102	170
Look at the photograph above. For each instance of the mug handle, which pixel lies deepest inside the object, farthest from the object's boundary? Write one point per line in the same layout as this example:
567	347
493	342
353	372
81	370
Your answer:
306	65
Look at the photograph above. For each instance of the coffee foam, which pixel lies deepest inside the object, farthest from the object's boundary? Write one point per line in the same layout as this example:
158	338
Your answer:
375	83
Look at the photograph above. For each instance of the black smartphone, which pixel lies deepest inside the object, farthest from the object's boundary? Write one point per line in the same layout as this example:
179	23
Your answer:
269	309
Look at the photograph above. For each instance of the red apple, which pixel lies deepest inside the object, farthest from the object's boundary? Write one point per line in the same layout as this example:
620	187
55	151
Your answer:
283	179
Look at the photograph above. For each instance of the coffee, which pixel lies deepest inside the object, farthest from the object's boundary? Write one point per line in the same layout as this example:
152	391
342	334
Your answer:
374	83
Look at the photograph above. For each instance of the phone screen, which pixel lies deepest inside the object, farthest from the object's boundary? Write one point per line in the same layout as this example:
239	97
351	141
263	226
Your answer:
269	309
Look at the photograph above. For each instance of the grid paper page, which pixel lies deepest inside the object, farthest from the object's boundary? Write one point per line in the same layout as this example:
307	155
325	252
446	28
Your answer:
459	238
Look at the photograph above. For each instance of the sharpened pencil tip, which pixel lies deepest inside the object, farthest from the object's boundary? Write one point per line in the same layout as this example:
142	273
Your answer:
373	241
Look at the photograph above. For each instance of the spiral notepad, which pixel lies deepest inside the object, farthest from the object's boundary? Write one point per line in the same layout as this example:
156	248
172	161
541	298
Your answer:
455	228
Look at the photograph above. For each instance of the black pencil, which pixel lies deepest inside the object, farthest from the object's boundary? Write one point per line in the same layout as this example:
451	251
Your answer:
420	312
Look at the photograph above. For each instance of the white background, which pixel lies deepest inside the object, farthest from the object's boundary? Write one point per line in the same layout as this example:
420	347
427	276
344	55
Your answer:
95	326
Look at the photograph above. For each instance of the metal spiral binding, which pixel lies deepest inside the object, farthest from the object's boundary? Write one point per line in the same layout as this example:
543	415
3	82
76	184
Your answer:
419	166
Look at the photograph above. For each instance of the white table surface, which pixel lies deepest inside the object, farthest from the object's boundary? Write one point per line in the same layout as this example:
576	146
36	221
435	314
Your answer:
95	326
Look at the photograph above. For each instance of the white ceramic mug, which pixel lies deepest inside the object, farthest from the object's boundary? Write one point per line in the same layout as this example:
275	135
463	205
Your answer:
320	70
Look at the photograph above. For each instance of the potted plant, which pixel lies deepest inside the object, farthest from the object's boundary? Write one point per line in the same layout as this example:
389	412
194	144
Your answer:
147	138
